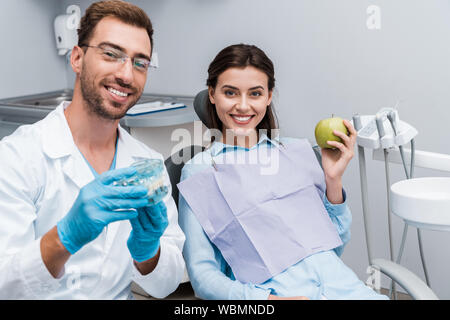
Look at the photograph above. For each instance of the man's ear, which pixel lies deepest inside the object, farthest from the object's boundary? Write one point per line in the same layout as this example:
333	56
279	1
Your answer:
76	59
211	95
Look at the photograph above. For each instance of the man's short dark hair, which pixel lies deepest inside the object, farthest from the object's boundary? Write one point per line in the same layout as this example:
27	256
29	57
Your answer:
124	11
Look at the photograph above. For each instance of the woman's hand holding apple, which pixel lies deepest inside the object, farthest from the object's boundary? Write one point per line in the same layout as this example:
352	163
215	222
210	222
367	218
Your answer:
336	159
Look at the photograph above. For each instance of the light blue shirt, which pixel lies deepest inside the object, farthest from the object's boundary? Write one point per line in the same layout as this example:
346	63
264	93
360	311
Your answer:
317	276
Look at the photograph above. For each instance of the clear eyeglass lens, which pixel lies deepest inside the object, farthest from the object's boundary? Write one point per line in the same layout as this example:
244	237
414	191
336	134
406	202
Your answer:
141	64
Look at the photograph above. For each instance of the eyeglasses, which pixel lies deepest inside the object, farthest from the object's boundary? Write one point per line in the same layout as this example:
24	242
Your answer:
115	55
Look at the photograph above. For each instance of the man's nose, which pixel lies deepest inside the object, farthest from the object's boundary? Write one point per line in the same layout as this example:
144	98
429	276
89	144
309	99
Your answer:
125	71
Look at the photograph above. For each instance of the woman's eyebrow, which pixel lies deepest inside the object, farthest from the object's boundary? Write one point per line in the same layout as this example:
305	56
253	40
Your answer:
231	87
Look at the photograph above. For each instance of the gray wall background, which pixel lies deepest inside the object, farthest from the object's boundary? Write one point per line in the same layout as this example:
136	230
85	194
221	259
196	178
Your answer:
29	62
327	62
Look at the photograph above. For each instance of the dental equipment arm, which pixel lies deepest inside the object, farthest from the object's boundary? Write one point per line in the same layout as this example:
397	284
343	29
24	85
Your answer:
393	120
381	134
367	137
412	284
392	117
357	123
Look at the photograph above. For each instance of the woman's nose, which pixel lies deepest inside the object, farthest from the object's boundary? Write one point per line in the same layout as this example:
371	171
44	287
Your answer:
243	104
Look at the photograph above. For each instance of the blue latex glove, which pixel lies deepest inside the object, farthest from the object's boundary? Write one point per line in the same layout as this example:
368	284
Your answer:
95	207
148	227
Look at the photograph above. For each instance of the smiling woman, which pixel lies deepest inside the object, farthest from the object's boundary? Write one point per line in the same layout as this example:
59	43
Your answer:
241	80
241	98
258	234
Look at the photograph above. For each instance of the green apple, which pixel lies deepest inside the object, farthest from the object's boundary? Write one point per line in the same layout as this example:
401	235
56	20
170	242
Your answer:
324	131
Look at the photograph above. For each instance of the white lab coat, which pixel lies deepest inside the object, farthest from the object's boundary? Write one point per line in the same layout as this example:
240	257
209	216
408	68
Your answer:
41	173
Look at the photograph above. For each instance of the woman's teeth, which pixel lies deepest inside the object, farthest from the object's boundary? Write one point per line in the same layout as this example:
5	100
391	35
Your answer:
242	119
117	92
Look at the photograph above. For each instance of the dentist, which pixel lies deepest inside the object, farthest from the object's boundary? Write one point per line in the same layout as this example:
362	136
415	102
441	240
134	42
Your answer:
66	231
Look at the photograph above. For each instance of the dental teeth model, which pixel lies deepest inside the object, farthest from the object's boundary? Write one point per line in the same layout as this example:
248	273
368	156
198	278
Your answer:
150	175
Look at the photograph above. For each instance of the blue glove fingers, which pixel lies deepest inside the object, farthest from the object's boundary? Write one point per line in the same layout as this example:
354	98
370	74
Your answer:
159	216
136	224
148	227
94	208
115	204
121	192
154	217
143	218
116	175
114	216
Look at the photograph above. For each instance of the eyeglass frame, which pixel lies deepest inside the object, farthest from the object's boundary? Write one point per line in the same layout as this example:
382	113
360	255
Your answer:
123	56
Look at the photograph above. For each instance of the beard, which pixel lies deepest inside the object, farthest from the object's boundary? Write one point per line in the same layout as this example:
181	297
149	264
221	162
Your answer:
96	104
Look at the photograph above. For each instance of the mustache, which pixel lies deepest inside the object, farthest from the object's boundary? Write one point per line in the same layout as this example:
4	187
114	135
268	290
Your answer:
121	84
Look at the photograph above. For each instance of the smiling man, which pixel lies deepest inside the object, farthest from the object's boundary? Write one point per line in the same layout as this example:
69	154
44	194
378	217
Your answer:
67	231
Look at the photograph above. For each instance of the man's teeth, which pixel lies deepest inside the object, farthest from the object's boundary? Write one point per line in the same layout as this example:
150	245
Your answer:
117	92
243	119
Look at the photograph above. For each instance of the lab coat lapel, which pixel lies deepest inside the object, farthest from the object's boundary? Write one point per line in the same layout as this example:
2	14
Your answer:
128	150
58	144
76	168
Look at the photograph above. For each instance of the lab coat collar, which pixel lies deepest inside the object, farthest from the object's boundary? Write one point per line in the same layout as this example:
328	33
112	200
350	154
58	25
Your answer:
219	147
58	143
56	136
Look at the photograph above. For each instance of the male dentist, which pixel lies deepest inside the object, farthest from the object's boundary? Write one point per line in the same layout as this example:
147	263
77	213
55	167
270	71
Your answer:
66	231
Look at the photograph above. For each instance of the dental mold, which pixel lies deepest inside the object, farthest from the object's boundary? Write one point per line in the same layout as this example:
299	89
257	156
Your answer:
149	173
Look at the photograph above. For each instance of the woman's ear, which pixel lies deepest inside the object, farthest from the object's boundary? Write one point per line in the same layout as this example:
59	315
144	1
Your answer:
211	95
269	101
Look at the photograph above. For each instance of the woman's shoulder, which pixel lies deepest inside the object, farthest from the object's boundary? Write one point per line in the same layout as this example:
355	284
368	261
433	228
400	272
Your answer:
290	140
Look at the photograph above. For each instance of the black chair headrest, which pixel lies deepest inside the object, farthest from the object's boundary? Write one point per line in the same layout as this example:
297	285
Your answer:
200	107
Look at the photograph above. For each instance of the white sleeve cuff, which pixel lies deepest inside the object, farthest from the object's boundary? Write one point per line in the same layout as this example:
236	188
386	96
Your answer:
37	279
166	276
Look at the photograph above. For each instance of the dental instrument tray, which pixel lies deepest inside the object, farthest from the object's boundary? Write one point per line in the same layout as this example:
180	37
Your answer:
149	173
383	130
151	107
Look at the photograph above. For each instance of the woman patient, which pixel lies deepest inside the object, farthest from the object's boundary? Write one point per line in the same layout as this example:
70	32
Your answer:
262	219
